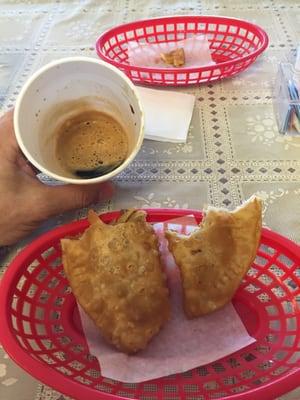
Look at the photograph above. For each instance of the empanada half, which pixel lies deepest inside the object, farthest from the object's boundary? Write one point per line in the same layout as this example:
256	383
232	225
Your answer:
214	258
116	275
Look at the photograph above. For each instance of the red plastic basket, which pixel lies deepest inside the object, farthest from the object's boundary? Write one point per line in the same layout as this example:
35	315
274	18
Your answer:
40	327
234	45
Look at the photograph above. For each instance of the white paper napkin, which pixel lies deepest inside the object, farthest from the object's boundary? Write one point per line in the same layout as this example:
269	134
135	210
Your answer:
196	51
167	114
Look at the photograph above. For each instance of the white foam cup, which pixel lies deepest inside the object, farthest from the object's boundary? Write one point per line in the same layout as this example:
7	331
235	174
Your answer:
53	94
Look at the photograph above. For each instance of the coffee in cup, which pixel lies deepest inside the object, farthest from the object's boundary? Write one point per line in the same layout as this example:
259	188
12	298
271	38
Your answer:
90	144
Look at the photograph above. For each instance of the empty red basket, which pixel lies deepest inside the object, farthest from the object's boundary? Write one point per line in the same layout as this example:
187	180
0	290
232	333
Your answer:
40	327
234	45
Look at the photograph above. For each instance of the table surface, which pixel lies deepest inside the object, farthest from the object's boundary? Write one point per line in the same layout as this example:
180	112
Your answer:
233	148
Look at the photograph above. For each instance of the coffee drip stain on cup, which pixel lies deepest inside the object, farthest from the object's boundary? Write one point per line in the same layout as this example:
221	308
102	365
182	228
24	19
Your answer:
91	144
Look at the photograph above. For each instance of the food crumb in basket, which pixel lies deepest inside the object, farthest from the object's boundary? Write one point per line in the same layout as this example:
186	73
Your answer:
174	57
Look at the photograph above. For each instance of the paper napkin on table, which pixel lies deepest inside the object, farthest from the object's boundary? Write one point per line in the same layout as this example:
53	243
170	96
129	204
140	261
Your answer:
167	114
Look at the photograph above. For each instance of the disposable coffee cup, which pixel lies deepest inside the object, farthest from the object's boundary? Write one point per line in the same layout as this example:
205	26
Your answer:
56	92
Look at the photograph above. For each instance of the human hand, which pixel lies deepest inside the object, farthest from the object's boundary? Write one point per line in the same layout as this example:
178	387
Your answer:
25	202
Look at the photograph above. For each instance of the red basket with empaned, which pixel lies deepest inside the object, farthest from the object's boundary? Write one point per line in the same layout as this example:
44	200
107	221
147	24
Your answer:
234	45
41	331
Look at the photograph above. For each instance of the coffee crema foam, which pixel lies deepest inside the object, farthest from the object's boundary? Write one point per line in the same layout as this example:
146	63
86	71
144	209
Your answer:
89	140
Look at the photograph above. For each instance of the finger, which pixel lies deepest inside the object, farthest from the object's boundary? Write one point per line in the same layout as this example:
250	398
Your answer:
7	127
25	166
12	151
56	200
8	141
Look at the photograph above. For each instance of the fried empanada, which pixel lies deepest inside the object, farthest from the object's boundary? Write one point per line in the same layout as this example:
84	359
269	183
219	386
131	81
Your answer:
176	58
116	275
214	258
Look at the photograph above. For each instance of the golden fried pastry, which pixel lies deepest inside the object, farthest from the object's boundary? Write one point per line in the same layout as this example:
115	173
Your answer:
116	275
175	57
215	257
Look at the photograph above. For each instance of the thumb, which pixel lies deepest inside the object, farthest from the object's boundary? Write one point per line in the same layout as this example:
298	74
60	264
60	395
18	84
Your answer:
59	199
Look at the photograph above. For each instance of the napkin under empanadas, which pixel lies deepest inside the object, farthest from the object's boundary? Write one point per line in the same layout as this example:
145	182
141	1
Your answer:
214	258
116	275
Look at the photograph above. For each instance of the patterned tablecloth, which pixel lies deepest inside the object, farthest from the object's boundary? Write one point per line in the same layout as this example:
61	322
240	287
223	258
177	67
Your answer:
233	148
